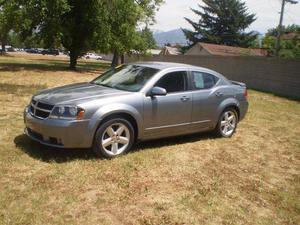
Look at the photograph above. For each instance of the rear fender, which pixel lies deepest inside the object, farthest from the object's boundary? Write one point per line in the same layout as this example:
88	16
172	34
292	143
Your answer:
225	104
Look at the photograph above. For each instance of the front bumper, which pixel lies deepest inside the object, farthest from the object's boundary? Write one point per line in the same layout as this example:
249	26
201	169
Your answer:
58	133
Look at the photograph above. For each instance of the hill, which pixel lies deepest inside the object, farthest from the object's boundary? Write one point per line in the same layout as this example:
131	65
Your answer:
172	37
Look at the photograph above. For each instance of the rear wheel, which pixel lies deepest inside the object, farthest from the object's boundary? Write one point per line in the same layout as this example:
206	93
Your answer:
227	123
113	138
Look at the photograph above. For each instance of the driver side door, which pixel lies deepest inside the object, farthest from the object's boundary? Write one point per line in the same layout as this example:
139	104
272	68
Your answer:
169	115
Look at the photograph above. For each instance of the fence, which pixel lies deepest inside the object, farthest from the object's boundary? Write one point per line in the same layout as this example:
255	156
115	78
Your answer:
278	76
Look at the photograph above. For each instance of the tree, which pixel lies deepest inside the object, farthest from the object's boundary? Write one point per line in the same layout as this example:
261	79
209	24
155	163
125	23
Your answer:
83	28
77	25
285	29
290	48
222	22
123	34
126	17
147	36
9	15
80	25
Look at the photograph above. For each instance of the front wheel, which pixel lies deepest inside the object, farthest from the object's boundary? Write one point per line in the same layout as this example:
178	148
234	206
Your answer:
227	123
113	138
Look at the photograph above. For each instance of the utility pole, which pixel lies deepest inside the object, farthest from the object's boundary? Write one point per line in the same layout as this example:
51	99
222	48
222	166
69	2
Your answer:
279	30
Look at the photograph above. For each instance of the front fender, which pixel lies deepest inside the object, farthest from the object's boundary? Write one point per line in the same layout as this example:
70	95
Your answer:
111	109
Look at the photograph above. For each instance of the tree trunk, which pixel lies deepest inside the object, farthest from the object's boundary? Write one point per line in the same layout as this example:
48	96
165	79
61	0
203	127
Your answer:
3	47
115	61
122	59
73	60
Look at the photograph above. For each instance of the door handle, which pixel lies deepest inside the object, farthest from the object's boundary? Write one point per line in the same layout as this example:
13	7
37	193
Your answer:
184	98
219	94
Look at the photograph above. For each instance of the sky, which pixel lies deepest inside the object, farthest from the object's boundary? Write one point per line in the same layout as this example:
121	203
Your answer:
171	14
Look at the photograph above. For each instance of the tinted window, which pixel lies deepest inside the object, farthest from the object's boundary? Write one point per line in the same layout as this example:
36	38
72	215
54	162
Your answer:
173	82
203	80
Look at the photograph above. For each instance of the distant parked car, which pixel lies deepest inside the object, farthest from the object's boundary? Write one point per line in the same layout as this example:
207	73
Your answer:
32	50
11	49
19	49
54	52
139	101
65	52
92	56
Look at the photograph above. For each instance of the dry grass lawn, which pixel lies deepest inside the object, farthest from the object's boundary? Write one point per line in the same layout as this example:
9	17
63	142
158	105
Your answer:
252	178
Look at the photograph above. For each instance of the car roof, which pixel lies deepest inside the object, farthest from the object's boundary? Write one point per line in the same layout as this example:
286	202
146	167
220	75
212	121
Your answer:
171	65
161	65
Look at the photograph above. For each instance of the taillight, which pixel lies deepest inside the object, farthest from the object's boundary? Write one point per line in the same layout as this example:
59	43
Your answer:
246	93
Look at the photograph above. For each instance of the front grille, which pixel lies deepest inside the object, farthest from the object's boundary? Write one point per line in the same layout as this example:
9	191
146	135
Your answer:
40	110
44	106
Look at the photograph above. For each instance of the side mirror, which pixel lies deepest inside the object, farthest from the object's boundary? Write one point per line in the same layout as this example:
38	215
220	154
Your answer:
157	91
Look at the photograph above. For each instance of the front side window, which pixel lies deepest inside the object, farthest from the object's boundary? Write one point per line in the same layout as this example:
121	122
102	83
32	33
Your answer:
127	77
203	80
173	82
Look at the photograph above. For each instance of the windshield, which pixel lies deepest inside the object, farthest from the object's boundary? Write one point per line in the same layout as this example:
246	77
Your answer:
127	77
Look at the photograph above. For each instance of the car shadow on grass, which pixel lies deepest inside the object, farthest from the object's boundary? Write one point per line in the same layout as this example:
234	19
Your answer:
57	155
51	154
172	141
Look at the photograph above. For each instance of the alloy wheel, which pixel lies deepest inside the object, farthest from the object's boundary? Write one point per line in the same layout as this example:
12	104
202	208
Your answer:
115	139
228	123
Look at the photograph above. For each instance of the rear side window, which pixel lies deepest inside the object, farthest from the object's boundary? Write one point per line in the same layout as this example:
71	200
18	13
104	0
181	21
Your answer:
173	82
202	81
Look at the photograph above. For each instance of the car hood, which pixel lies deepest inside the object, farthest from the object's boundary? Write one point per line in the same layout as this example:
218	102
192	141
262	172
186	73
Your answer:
76	93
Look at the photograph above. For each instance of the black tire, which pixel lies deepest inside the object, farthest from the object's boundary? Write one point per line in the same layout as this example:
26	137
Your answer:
219	130
97	144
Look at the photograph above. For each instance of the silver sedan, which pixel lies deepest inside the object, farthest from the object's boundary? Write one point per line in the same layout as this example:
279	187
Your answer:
139	101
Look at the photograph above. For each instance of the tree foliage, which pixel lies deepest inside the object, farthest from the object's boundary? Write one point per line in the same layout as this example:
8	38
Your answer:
222	22
125	16
80	25
77	25
148	38
289	48
9	19
285	29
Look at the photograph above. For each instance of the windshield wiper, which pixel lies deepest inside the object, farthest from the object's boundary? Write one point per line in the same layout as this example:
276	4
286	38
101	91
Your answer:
104	85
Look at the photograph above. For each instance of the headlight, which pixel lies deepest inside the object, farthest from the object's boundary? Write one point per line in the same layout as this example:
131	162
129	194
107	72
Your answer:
67	112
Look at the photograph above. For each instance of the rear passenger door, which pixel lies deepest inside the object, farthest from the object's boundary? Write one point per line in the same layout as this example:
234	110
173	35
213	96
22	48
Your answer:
206	98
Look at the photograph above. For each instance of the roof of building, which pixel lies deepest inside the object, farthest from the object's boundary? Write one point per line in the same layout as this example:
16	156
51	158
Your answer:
224	50
170	51
291	36
154	51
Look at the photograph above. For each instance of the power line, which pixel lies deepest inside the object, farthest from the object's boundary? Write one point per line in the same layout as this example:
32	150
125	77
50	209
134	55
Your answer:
289	15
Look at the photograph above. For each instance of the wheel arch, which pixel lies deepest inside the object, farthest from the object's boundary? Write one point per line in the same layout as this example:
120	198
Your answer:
235	107
229	103
121	115
114	111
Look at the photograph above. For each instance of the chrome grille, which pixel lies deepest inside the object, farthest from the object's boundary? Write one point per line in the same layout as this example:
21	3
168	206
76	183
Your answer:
40	110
